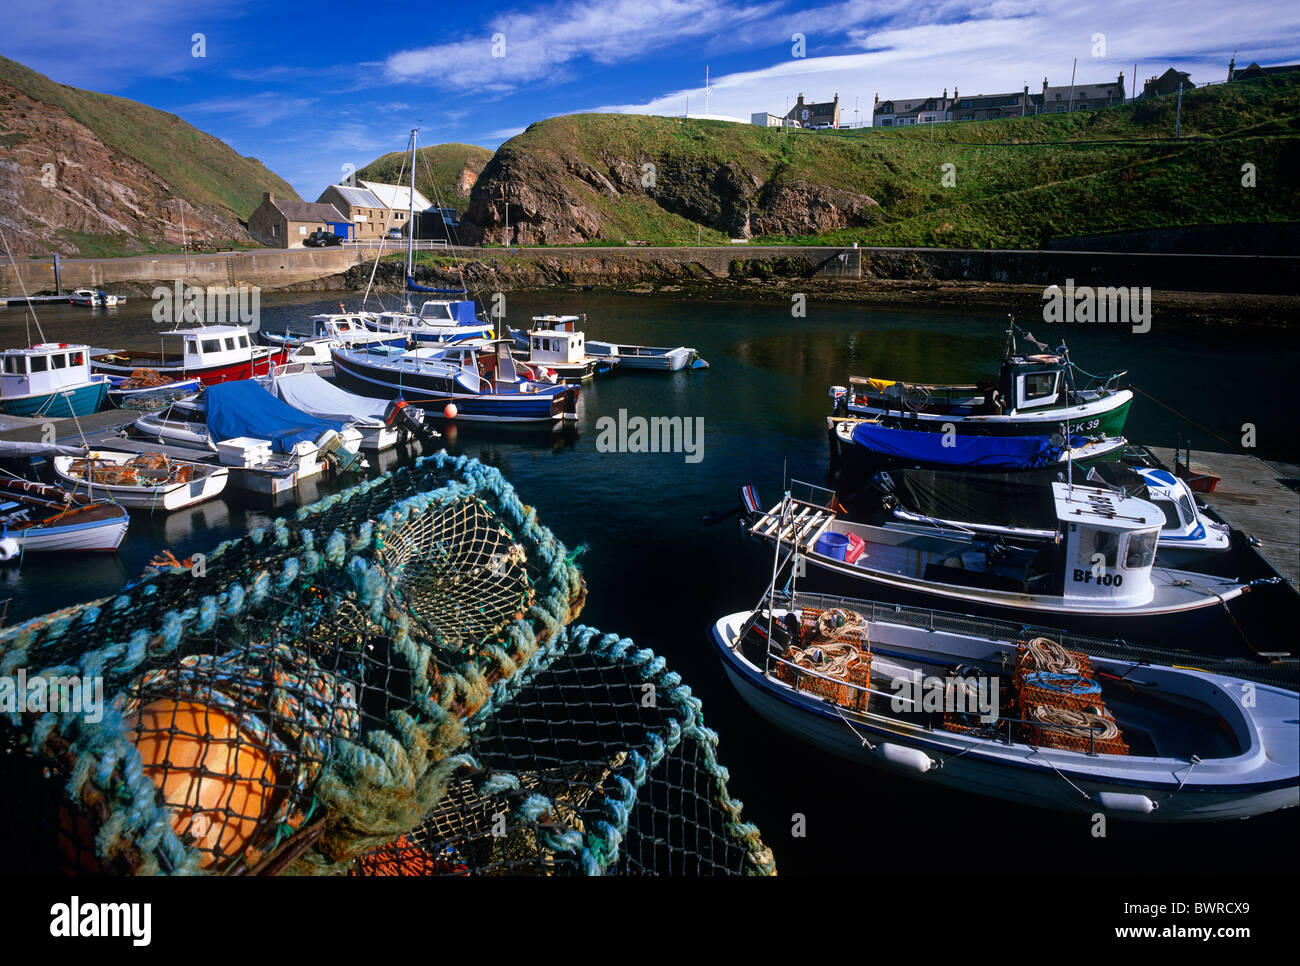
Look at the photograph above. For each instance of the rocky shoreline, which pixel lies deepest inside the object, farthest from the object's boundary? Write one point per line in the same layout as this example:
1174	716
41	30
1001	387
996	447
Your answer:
655	278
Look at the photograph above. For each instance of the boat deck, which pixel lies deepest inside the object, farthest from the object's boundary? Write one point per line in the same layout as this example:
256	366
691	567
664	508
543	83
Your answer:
1258	497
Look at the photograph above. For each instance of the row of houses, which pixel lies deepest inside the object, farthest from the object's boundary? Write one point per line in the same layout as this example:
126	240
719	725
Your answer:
364	211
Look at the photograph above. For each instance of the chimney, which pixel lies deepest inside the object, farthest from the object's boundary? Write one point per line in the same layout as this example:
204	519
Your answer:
945	93
268	197
1232	64
877	101
1044	87
800	101
954	92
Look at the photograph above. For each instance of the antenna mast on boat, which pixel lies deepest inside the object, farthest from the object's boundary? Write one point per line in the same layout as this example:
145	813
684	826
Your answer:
410	225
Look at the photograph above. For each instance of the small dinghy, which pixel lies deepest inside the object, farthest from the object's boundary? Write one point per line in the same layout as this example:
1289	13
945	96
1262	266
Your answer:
36	517
1012	713
141	481
146	390
1098	562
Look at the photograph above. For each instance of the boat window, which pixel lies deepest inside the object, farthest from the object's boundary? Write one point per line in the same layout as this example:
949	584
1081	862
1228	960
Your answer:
1189	511
211	345
243	342
192	346
40	363
1102	542
59	361
12	364
1171	514
230	342
1039	385
1141	550
77	359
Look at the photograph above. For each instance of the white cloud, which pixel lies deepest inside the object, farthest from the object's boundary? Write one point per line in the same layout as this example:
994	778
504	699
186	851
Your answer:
1001	46
253	110
545	43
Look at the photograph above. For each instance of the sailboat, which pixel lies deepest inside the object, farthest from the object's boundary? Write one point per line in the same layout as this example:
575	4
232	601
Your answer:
438	320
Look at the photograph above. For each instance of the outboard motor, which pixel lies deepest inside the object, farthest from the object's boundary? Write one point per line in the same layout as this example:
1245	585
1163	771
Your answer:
401	414
333	452
839	400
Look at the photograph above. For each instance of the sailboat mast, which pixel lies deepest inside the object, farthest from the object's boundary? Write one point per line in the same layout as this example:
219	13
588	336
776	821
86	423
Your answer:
410	215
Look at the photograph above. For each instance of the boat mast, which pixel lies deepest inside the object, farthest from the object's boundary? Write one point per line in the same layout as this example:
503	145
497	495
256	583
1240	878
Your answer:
410	221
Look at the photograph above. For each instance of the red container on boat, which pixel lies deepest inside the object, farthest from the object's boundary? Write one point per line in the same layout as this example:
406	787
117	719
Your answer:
856	548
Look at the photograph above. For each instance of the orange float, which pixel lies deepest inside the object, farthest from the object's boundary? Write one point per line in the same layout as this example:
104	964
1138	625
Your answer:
219	783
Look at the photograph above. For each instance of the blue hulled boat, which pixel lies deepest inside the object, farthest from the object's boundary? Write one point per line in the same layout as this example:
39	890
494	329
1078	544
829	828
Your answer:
50	379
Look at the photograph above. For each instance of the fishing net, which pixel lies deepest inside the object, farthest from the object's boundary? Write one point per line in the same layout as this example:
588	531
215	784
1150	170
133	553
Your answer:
380	671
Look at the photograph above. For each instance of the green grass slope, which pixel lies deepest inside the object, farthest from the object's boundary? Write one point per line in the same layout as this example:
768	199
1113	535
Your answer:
1015	182
438	170
199	167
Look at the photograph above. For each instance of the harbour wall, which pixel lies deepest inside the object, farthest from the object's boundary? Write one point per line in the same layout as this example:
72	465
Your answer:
310	268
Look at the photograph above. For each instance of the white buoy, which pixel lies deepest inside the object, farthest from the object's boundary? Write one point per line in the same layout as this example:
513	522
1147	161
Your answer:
9	548
909	759
1126	802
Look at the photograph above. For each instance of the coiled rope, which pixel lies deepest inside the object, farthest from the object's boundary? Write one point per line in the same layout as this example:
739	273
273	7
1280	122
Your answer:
1084	722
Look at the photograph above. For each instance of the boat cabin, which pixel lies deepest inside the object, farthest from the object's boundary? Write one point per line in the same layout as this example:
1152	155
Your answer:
485	365
45	367
556	347
1033	382
556	323
213	345
346	327
442	312
1110	544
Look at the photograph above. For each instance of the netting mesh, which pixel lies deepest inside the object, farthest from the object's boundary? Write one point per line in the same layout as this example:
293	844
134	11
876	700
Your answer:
388	670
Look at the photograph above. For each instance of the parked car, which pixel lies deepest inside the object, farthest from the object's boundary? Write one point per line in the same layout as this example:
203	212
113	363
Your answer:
322	239
394	233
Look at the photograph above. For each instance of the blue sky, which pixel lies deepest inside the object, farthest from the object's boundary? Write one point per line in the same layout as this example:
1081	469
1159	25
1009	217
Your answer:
310	87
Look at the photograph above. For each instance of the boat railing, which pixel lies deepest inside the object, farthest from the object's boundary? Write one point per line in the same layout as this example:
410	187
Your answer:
810	494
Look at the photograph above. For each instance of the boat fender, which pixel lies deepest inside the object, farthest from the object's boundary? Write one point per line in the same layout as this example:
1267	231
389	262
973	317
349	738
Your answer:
1126	802
909	759
9	548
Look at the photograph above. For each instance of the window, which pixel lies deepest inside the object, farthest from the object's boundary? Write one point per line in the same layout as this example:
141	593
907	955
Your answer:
1040	385
1189	511
12	364
1171	514
60	361
243	342
77	359
275	231
302	229
211	345
1141	550
1099	542
40	363
230	343
192	346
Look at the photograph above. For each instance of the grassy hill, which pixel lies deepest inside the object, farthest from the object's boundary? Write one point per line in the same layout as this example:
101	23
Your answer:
199	167
444	173
1018	182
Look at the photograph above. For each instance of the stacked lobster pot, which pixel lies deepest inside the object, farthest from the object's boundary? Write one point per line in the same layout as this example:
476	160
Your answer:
832	658
1057	692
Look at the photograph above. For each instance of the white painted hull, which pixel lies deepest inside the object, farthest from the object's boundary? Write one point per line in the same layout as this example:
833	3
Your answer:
99	537
643	357
1018	773
209	482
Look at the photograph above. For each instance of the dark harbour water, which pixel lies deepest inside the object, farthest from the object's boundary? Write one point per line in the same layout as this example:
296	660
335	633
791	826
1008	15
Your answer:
658	575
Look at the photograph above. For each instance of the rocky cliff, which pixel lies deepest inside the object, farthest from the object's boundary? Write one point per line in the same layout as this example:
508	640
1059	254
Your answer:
87	173
605	177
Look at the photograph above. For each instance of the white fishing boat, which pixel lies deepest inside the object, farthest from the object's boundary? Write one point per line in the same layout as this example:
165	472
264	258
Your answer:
50	379
656	358
94	297
382	424
1023	505
36	517
1098	562
556	344
1012	713
141	481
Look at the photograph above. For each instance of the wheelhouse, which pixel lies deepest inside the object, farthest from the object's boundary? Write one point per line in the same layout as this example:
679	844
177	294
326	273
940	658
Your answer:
45	367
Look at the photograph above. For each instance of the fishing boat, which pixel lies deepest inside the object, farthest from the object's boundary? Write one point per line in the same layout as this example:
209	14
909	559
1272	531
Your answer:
1023	505
37	517
247	427
556	344
382	425
50	379
145	389
141	481
654	358
1098	563
209	353
491	390
344	330
1019	714
94	297
867	444
1036	394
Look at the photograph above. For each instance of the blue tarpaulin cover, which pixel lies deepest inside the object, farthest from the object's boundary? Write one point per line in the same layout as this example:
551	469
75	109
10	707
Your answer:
414	286
992	452
244	408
